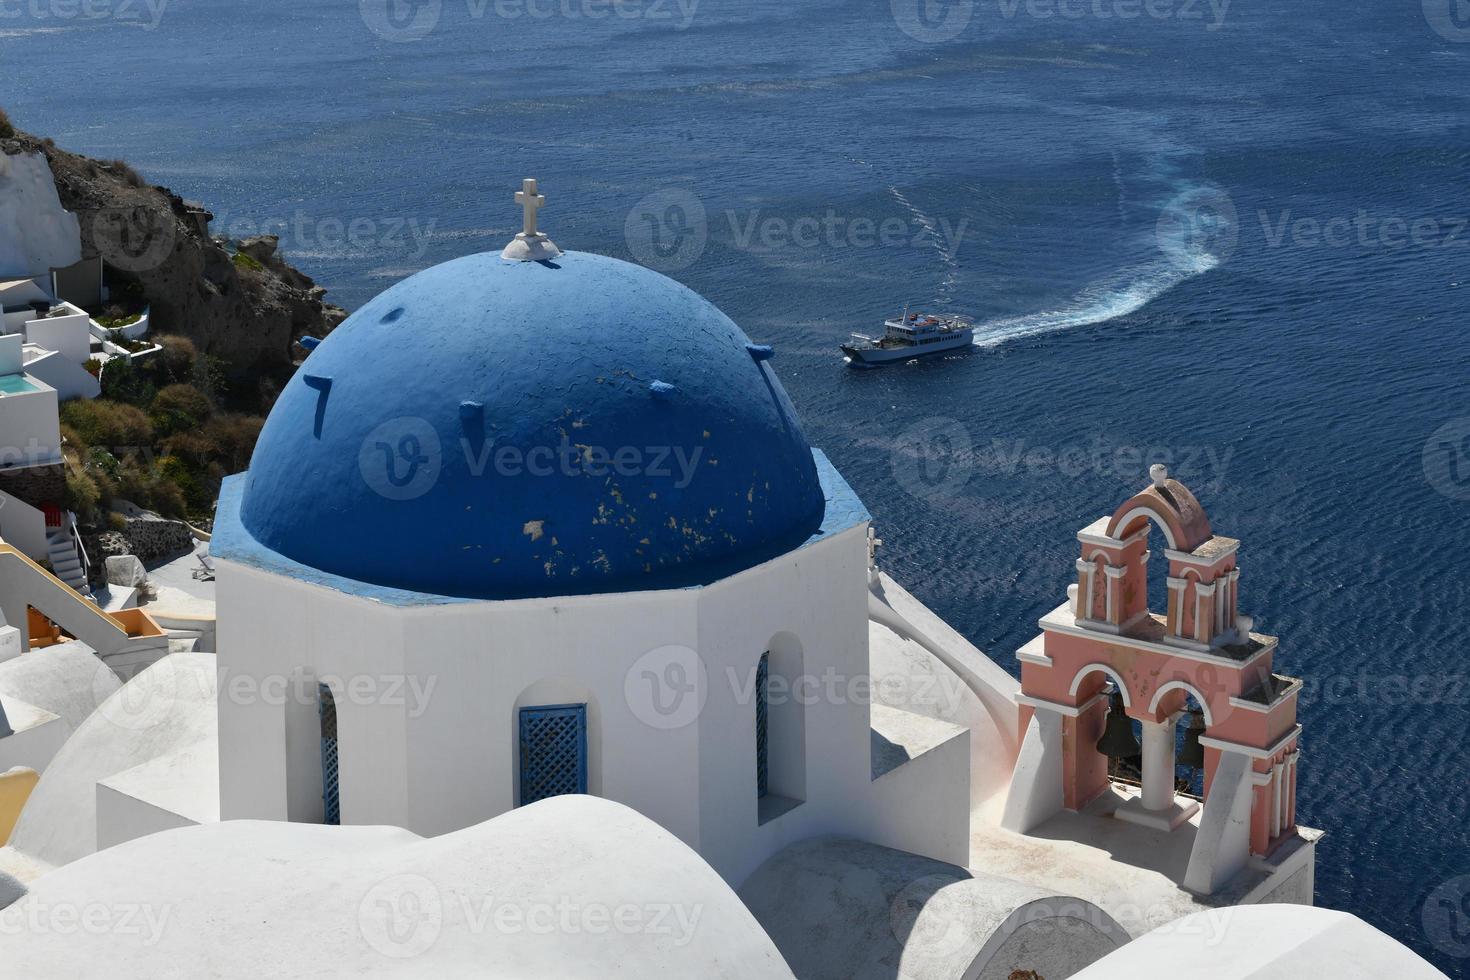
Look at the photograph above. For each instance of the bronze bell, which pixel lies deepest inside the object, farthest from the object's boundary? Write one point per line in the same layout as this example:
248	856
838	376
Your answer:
1192	754
1117	740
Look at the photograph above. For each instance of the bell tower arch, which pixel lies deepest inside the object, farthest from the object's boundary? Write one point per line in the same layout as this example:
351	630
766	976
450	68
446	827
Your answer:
1105	660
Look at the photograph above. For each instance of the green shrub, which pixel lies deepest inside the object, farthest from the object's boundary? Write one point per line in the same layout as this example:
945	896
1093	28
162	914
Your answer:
149	487
116	522
243	261
178	408
111	323
82	493
230	439
123	381
196	492
6	130
116	337
177	358
110	425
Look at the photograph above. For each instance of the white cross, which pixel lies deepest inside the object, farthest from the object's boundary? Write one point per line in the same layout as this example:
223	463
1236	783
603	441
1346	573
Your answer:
529	201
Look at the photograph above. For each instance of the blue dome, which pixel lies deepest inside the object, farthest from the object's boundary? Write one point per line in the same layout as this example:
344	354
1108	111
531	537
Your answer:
495	429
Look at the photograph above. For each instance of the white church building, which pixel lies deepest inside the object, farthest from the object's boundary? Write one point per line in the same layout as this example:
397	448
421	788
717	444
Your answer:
583	547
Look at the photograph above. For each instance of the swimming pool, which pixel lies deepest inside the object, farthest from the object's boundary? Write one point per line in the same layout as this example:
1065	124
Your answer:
15	384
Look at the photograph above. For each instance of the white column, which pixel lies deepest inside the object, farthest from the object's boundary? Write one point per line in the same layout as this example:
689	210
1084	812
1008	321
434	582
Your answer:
1233	607
1288	790
1084	597
1203	598
1158	764
1276	796
1115	575
1175	612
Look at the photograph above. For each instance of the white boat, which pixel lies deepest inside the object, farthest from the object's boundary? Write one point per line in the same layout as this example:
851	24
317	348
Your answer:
909	336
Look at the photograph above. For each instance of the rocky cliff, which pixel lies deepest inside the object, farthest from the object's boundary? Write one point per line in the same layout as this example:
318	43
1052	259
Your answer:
245	307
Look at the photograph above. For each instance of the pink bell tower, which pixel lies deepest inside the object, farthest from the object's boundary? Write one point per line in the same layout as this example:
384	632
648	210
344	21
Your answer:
1105	644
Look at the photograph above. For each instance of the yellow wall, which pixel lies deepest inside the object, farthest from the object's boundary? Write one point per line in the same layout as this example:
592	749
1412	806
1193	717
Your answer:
15	789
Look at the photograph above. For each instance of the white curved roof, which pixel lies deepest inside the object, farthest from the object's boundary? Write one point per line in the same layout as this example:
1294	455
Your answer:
1264	942
849	910
67	680
573	886
166	708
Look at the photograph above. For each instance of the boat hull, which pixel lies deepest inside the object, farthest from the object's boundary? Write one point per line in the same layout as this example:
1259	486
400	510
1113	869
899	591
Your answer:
876	356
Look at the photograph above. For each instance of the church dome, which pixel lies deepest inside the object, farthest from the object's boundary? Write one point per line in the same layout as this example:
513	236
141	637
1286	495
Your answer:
498	429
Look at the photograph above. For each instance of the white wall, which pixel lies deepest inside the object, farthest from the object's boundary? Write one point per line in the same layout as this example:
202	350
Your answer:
30	430
71	335
38	735
20	292
23	526
12	354
122	817
36	233
70	379
429	742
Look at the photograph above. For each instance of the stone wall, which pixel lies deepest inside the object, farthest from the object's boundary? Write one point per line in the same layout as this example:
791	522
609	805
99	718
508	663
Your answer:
148	539
36	485
152	539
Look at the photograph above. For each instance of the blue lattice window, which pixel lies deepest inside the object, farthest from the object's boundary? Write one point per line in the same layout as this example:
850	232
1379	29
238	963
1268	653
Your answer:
762	742
553	751
331	799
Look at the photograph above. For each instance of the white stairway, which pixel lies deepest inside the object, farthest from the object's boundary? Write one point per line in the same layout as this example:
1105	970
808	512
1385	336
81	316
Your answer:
66	564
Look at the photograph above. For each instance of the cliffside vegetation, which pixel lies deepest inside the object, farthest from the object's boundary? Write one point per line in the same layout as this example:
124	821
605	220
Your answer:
170	425
158	436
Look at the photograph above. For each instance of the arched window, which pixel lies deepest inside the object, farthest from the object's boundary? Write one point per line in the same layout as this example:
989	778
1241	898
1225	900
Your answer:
780	728
331	797
762	729
553	750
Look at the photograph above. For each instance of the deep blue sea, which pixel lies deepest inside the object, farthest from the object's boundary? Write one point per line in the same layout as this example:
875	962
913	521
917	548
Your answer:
1231	237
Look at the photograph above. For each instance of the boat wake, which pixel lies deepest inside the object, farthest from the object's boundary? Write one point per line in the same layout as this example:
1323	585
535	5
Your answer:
944	249
1127	292
1195	231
